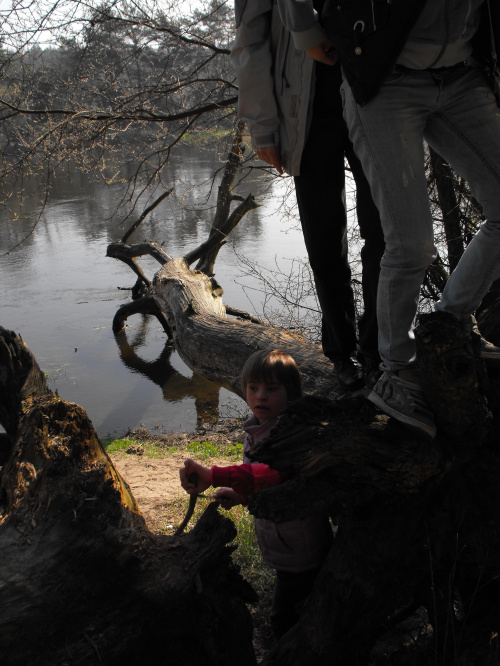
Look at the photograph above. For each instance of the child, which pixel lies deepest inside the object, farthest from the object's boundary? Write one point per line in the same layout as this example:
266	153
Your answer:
295	548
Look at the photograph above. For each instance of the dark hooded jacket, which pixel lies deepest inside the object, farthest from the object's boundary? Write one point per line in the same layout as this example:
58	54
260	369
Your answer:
371	34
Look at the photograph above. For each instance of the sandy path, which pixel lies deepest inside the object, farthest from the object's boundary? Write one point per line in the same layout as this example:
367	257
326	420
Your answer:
155	484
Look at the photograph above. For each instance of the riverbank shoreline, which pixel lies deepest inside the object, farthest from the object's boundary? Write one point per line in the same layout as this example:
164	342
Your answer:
154	480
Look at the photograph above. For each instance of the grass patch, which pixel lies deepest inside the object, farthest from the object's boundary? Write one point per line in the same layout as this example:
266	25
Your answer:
232	452
151	449
201	451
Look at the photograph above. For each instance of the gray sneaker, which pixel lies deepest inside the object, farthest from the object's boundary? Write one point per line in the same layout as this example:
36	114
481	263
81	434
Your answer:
404	401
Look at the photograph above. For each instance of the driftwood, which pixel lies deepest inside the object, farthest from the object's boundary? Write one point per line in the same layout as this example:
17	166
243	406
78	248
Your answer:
82	580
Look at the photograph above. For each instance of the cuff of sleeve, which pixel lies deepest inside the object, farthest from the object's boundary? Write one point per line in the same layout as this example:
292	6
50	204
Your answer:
306	39
215	479
268	140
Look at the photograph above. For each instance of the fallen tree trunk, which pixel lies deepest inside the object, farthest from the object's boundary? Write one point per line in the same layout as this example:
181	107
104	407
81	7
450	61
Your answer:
82	580
217	346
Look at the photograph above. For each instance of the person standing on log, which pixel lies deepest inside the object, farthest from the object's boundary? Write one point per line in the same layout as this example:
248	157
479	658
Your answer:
295	548
414	70
293	111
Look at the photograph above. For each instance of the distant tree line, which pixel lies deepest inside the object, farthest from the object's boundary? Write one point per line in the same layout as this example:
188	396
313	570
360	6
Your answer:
110	81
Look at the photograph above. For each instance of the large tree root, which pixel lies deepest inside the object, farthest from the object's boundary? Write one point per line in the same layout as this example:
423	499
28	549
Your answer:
82	580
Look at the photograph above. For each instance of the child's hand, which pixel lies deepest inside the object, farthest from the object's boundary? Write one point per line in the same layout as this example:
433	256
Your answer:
227	497
202	474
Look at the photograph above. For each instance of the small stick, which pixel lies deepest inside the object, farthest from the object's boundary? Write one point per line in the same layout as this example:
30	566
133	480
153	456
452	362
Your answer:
192	478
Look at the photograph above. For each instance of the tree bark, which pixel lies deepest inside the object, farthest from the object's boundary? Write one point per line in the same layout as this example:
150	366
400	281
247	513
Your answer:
82	580
217	346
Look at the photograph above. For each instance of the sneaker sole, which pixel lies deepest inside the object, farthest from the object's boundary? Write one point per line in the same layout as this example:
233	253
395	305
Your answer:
407	420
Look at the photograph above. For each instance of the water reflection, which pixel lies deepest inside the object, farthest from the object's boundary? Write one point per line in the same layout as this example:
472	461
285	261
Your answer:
174	386
61	292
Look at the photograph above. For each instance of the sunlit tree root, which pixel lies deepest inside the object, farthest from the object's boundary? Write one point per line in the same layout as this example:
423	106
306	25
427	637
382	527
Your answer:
82	580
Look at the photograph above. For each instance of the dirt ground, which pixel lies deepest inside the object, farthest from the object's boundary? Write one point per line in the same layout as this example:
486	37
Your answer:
155	481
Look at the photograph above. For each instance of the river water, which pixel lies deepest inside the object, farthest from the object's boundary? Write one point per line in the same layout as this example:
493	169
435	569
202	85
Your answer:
60	292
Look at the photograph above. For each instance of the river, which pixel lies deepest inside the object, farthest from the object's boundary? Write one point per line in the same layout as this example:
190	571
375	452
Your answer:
60	292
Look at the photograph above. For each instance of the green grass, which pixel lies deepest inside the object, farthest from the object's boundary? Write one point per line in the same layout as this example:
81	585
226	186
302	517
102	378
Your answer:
202	451
151	449
232	452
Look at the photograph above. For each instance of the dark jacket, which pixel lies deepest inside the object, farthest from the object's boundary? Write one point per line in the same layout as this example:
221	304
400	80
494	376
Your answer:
294	545
370	35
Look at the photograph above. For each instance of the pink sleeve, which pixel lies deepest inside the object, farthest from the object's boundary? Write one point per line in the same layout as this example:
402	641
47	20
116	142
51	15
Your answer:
245	479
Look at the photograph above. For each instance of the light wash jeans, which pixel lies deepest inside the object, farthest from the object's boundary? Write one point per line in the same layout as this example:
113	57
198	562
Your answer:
456	113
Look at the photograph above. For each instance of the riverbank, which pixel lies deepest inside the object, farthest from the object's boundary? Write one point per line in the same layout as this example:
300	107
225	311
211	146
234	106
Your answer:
153	475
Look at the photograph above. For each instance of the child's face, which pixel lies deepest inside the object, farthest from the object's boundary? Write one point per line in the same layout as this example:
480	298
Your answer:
266	400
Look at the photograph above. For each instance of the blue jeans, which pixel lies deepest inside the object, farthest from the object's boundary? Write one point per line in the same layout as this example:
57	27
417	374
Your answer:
455	112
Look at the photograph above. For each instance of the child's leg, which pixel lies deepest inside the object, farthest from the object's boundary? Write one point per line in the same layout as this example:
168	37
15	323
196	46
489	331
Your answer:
290	592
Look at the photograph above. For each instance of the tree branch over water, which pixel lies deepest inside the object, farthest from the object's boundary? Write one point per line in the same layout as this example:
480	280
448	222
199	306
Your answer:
94	85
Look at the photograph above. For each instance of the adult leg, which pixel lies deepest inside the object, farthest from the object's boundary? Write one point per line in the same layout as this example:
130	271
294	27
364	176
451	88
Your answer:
465	130
320	191
387	136
372	251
